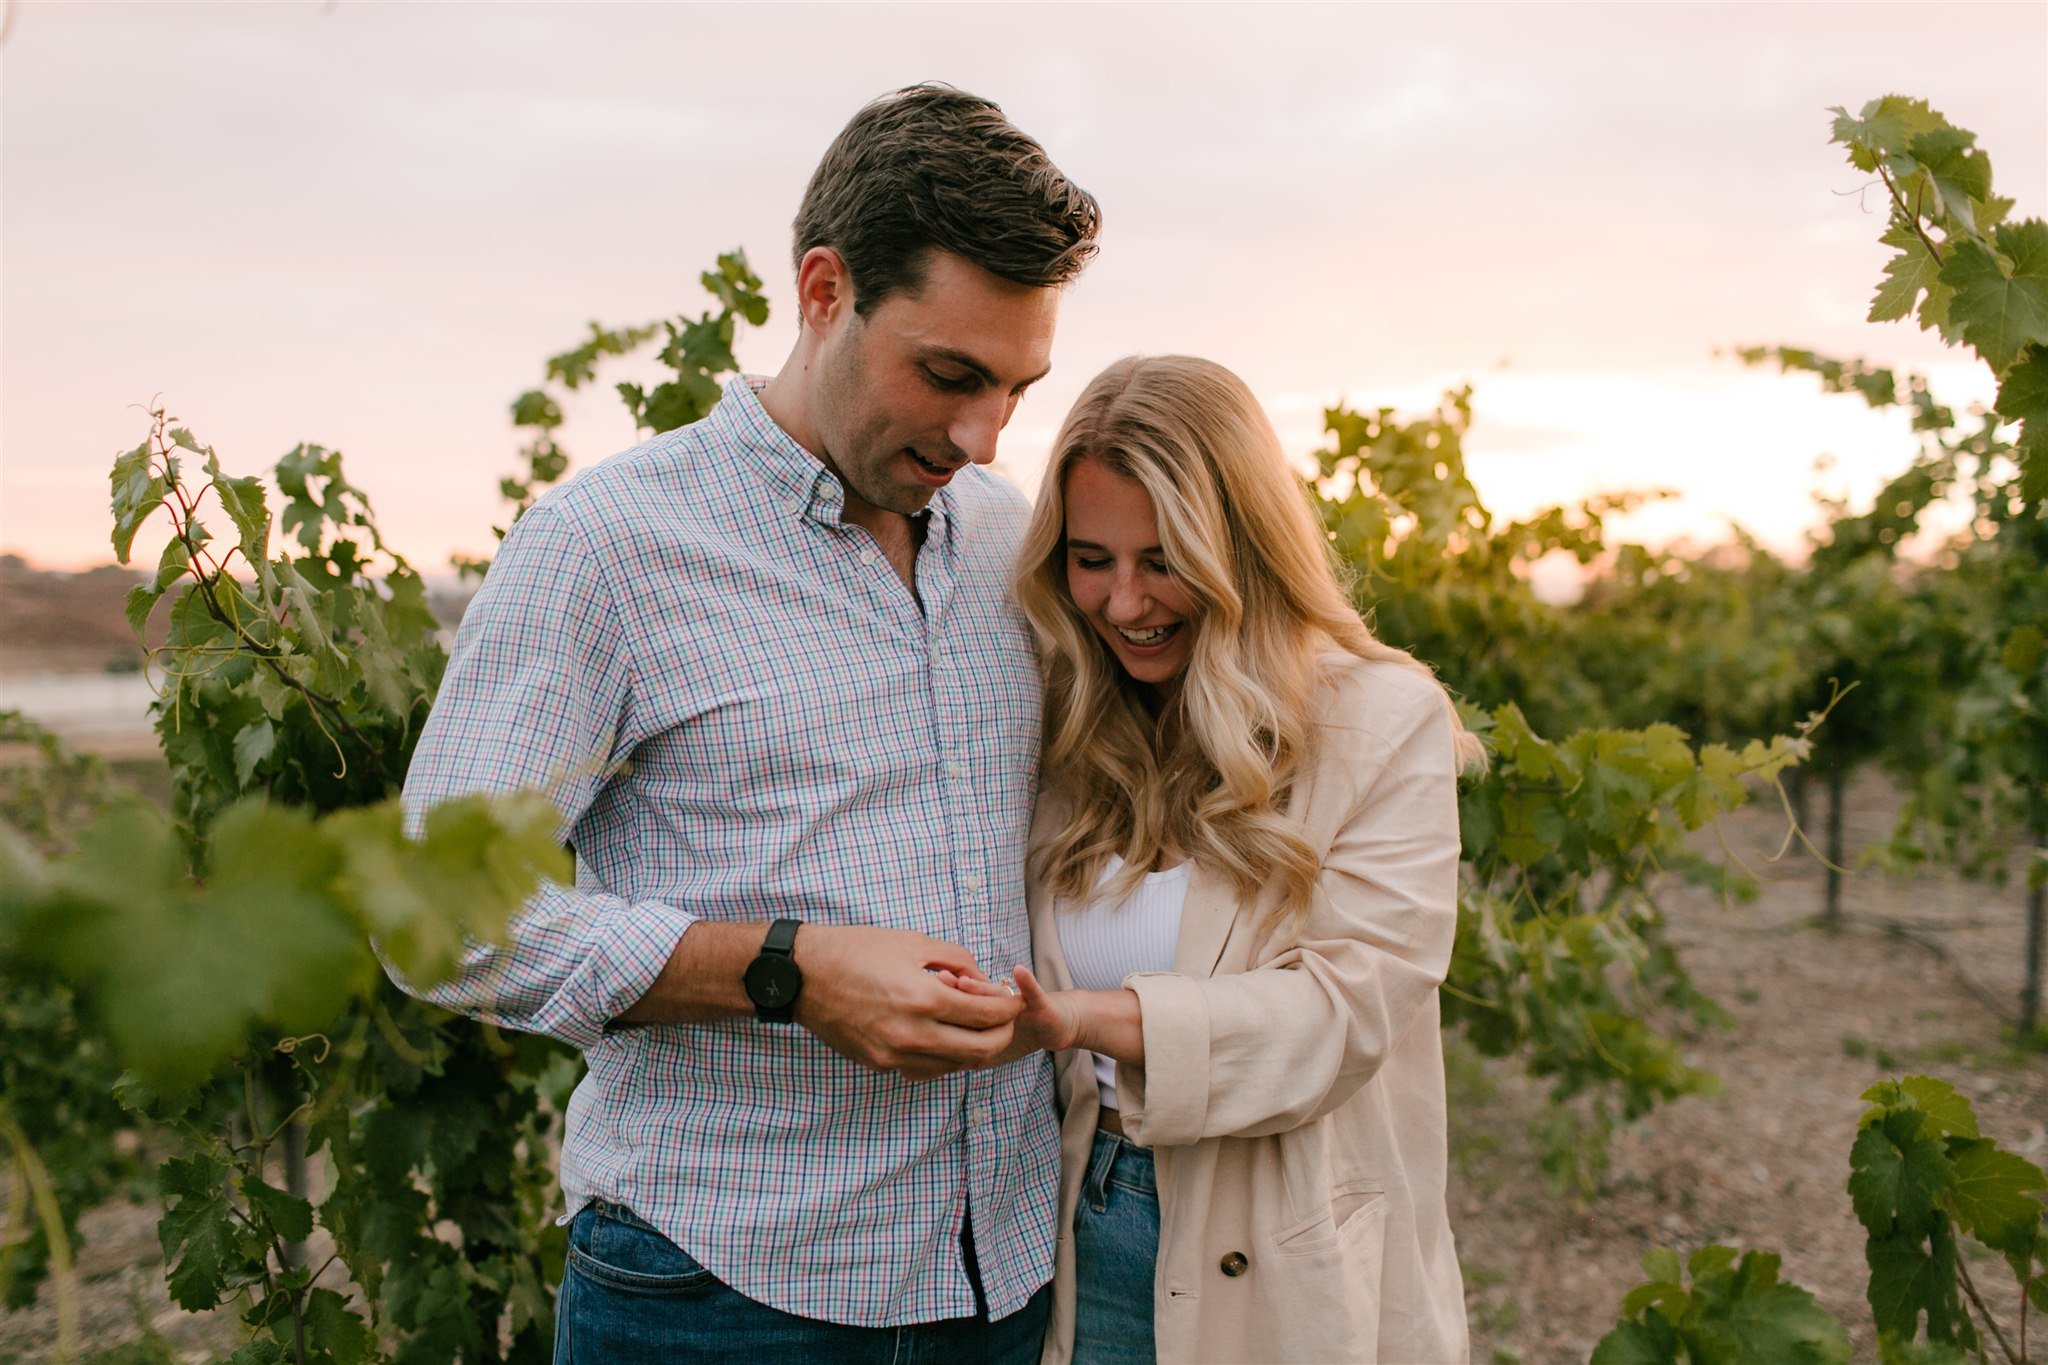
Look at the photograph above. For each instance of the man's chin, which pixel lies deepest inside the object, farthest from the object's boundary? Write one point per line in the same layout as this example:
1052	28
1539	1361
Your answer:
905	500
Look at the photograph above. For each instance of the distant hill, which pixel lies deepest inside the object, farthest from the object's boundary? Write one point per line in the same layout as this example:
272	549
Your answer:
65	622
75	622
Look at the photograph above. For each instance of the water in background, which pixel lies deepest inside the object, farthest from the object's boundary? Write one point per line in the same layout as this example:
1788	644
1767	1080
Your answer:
98	711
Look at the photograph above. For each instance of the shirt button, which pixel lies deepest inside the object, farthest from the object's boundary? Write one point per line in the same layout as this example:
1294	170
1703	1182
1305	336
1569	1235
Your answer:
1235	1264
955	769
971	881
867	556
978	1116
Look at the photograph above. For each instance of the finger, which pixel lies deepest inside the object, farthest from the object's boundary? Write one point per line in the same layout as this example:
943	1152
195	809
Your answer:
976	986
951	957
1033	994
953	1048
972	1010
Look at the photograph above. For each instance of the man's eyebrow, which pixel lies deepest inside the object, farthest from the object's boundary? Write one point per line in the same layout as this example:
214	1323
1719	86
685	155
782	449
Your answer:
966	361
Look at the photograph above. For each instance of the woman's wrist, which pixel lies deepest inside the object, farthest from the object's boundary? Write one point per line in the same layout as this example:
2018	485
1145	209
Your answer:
1110	1023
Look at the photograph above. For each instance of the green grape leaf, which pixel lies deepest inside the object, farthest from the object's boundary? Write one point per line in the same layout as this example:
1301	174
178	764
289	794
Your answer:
174	563
1908	275
1650	1341
243	499
337	1329
1883	128
203	1245
1945	1107
1660	1265
1991	1196
2023	398
2001	310
1897	1172
1957	172
1912	1275
137	491
253	744
535	408
142	600
478	856
288	1213
1764	1320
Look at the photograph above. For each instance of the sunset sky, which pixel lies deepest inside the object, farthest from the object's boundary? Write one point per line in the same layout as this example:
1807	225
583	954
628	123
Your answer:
366	225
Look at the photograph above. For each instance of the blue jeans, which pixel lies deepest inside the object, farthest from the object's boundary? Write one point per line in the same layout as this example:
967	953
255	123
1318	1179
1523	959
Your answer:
630	1295
1116	1247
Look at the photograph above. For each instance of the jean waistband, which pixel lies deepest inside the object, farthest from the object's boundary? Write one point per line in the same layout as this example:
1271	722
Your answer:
1119	1161
605	1208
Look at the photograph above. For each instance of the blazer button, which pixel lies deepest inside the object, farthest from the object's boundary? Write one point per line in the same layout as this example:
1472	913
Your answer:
1234	1264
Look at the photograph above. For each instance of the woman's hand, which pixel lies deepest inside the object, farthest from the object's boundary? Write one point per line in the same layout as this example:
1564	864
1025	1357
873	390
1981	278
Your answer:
1052	1021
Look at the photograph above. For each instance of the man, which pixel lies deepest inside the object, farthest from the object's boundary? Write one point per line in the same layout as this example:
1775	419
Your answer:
768	666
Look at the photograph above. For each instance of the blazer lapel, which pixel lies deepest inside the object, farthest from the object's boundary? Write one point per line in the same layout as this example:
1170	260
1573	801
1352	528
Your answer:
1205	920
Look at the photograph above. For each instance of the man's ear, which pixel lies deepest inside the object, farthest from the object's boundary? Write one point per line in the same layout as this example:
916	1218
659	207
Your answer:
824	289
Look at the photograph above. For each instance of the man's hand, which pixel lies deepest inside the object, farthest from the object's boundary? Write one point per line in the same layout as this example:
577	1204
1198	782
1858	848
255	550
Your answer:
875	997
1049	1021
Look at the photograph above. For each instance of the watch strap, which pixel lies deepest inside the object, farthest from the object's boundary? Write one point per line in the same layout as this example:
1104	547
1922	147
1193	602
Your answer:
781	937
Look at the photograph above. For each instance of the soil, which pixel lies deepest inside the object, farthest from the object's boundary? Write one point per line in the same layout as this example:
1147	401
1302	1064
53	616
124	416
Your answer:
1817	1016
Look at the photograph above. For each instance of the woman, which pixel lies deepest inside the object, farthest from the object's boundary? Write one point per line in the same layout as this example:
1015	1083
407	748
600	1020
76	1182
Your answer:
1243	889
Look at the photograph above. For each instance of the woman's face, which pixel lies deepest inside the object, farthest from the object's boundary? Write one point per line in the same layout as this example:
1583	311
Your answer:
1117	575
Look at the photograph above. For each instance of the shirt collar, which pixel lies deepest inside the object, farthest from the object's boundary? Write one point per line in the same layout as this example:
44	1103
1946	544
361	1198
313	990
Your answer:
795	477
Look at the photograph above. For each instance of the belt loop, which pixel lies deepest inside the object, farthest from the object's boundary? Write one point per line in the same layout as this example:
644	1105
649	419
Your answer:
1096	1185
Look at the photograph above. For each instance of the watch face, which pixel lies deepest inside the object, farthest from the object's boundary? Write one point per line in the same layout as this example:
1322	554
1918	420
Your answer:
772	981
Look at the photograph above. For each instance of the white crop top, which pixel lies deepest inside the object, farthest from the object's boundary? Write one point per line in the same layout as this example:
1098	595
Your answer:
1105	941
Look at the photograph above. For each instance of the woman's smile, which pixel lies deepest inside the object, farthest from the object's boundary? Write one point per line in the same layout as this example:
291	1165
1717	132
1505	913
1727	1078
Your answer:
1118	576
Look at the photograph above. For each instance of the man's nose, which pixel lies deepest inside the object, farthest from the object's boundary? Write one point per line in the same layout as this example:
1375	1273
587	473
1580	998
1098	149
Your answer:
979	423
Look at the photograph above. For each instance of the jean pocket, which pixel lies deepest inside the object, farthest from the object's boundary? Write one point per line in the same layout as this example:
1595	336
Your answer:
627	1256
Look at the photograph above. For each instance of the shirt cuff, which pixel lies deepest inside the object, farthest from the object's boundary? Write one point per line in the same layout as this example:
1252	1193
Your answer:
631	949
1174	1014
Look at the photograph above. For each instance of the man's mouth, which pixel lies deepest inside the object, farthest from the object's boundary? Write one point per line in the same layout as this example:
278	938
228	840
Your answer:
1145	639
939	473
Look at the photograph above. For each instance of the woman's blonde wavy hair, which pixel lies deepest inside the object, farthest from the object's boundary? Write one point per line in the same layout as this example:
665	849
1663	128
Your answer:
1209	777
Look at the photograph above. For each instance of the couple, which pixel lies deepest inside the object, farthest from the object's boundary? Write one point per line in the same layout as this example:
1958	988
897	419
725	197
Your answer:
870	732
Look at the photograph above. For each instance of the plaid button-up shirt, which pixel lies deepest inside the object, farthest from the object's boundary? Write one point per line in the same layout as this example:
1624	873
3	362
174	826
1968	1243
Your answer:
744	714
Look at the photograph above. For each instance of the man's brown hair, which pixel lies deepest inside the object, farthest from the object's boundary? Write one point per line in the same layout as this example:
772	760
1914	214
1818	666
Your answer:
929	167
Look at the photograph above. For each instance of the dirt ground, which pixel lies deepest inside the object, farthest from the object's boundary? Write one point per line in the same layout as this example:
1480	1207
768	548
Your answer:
1817	1017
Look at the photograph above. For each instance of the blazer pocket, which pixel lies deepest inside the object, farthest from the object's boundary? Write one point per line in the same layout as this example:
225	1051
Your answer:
1353	1208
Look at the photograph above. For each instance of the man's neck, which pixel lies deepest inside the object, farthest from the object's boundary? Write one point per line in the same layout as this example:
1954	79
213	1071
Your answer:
785	399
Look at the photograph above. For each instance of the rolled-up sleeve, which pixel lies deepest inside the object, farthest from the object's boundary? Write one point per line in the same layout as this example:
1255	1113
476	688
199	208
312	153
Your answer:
1268	1050
539	694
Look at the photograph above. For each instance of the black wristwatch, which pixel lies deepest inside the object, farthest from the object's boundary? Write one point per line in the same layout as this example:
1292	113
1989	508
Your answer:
772	979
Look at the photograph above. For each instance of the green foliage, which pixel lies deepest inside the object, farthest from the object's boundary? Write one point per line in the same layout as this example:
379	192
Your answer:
1977	279
274	935
1922	1177
61	1133
698	352
1733	1312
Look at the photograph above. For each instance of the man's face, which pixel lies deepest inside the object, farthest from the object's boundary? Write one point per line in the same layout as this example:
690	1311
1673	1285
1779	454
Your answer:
923	384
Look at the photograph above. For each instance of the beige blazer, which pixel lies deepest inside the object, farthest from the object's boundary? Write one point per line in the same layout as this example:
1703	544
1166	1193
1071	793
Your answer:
1293	1086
